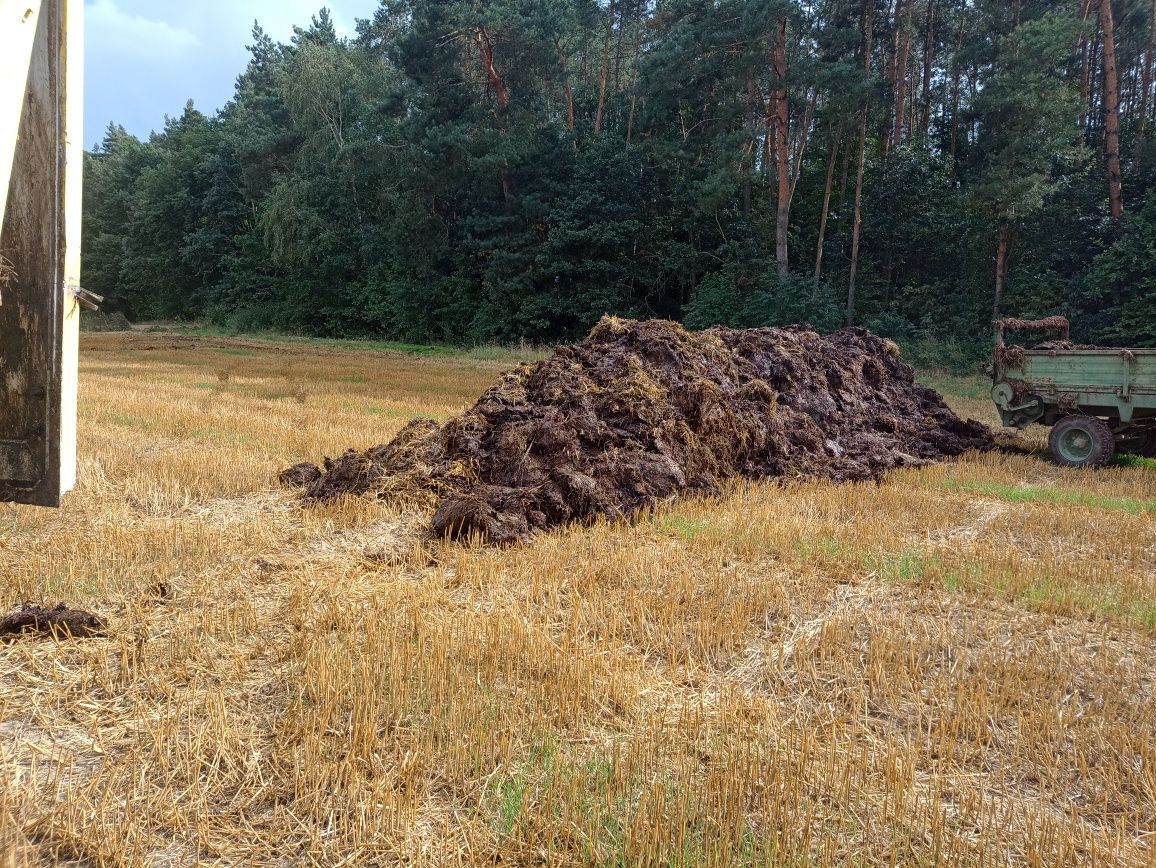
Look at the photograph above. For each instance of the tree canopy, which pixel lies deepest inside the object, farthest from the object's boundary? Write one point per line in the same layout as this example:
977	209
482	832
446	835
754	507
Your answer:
512	170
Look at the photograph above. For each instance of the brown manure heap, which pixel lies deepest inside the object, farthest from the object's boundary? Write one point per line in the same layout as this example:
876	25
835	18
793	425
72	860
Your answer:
642	411
59	622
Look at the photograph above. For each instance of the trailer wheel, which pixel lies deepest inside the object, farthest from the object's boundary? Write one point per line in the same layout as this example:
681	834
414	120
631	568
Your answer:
1082	441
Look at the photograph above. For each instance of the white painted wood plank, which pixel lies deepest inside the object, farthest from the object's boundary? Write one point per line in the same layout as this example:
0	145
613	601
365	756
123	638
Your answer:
72	55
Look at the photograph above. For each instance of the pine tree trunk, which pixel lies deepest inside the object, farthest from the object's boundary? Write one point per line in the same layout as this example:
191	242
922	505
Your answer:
1146	79
912	102
1095	82
955	91
486	52
844	174
618	52
1085	70
468	63
779	134
857	220
1111	112
802	137
634	70
752	121
566	90
836	142
889	66
916	88
485	45
901	57
928	65
605	73
1129	101
1001	258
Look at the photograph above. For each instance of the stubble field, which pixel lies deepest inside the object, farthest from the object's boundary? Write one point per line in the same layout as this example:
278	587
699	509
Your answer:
952	667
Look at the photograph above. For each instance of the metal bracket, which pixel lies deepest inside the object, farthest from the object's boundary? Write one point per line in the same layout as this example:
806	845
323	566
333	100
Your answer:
1125	391
86	299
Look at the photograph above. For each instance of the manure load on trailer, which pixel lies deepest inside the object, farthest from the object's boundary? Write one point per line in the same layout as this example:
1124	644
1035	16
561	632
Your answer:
40	164
642	411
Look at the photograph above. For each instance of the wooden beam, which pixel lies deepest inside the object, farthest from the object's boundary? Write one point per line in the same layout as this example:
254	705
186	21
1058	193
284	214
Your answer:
18	20
40	236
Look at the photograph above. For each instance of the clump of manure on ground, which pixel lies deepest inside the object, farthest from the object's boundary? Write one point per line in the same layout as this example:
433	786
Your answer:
641	411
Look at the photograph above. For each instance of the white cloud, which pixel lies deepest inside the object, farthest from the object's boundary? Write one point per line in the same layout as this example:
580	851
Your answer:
229	22
111	31
146	58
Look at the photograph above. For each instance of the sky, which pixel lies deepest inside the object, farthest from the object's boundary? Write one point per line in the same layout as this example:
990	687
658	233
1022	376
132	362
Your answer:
145	59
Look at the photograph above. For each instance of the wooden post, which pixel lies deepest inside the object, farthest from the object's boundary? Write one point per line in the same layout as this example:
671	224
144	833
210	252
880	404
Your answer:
17	33
41	154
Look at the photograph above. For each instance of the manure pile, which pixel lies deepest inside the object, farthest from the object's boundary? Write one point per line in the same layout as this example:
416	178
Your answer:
641	411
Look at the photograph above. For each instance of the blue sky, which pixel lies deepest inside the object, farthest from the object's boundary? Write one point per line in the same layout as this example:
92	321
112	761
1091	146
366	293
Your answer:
145	58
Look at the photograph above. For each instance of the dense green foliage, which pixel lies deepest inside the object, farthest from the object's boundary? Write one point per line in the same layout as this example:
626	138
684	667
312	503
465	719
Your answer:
487	172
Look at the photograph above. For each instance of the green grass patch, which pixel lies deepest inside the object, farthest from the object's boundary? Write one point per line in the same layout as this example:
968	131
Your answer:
1044	593
132	422
511	799
235	351
66	584
510	793
1136	461
826	546
387	412
963	576
1104	601
908	565
677	525
1143	612
905	565
1045	494
230	438
110	371
960	387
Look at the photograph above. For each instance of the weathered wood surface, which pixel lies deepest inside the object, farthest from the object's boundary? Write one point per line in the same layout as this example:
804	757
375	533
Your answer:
18	21
40	238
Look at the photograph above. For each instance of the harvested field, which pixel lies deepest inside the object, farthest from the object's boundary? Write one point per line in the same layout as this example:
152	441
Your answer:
642	411
953	666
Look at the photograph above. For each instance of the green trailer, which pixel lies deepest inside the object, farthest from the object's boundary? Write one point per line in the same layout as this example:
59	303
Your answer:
1097	401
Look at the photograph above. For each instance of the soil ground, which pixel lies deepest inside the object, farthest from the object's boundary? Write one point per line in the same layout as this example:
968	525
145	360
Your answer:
952	666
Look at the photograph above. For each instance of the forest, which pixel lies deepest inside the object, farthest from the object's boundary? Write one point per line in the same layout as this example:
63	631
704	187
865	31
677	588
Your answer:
493	172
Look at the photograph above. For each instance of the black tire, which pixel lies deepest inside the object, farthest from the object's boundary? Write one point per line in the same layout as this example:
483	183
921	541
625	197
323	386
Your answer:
1082	441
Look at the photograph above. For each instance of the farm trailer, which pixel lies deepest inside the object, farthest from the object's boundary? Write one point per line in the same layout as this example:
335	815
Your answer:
1096	400
41	154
